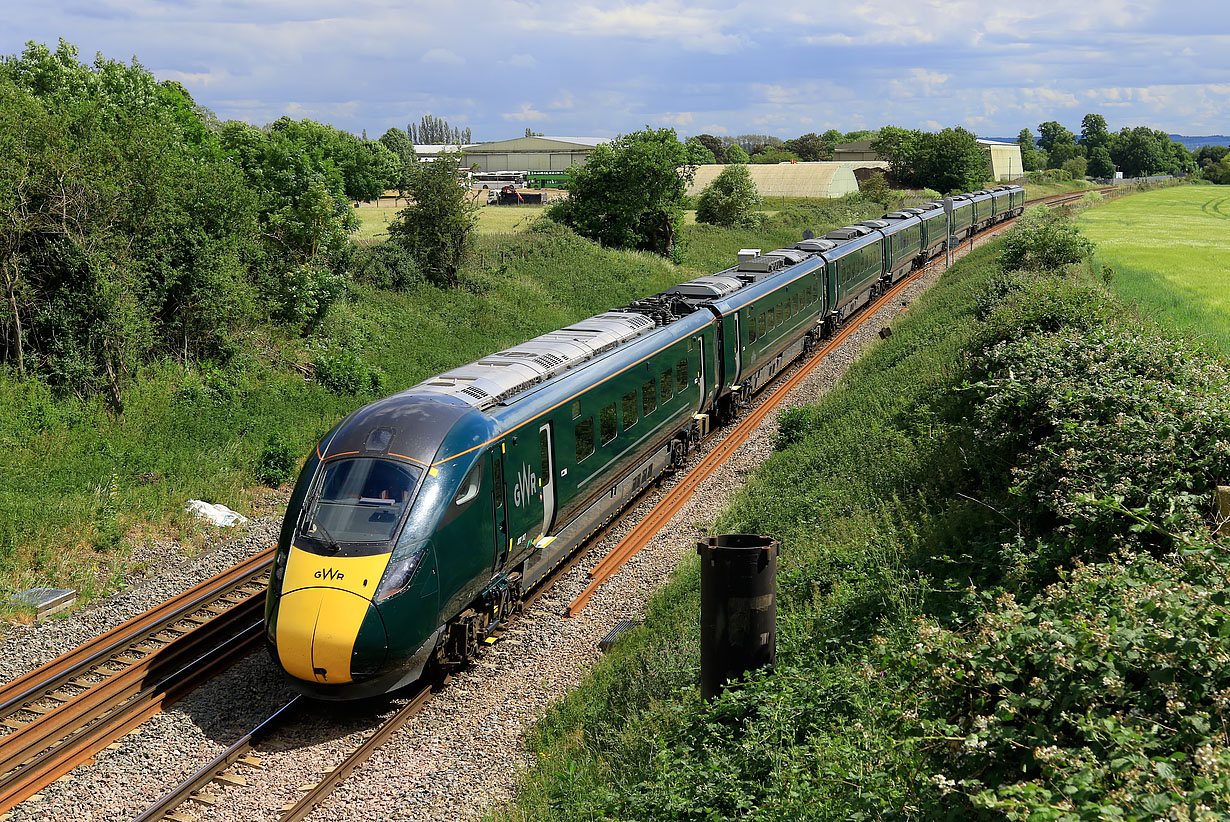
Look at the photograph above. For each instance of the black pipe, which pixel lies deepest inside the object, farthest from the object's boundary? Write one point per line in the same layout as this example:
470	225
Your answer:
738	607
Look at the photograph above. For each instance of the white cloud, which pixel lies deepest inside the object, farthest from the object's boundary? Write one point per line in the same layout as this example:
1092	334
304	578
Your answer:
526	114
442	57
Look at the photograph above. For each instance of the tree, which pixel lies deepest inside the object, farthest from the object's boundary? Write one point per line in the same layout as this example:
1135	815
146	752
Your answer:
1100	163
1139	152
736	154
949	160
899	147
529	132
877	188
730	200
1077	166
809	147
398	142
1029	150
629	193
698	153
833	137
1094	133
1051	134
436	131
437	228
771	155
715	145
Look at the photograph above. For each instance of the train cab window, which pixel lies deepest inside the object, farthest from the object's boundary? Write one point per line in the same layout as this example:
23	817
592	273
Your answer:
667	381
609	422
649	398
585	438
681	375
629	409
576	409
360	500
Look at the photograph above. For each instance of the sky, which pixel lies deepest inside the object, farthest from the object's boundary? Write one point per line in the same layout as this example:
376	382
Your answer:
579	68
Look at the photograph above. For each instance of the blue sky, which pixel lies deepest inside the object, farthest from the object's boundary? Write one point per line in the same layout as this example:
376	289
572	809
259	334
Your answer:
784	67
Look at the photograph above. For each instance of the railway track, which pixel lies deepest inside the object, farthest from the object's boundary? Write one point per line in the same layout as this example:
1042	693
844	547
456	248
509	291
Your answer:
61	714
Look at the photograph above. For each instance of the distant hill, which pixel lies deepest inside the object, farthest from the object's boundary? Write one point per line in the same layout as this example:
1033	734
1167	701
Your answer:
1194	143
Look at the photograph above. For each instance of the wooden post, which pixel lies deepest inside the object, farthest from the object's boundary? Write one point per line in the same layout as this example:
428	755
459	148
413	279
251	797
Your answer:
1222	499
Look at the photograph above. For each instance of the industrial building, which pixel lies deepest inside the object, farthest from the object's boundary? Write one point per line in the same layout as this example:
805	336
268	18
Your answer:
530	153
1004	159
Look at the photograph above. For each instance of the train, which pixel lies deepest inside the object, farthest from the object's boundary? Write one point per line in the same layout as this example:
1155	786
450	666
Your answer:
421	520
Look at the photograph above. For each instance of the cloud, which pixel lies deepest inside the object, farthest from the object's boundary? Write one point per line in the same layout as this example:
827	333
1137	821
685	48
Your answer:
692	27
442	57
526	114
522	61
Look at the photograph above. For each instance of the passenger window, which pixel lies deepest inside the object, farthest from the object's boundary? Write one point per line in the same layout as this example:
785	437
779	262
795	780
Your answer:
668	388
608	422
585	438
781	315
760	324
576	409
798	306
629	409
681	376
751	330
469	488
649	398
497	474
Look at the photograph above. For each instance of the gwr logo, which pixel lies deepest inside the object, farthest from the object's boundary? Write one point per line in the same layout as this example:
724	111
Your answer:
526	487
329	573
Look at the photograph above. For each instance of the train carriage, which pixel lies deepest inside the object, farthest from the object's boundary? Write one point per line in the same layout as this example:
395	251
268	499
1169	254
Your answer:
903	244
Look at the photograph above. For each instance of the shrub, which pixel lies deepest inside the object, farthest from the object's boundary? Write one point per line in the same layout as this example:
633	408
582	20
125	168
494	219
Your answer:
386	265
344	370
729	200
438	227
277	461
1045	242
301	296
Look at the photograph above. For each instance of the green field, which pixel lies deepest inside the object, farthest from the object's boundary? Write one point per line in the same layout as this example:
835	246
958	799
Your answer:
1170	250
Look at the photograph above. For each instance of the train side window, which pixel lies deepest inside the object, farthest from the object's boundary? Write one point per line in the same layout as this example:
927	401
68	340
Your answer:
781	314
668	388
798	303
471	484
609	423
751	330
585	438
629	404
649	397
576	409
497	479
760	324
681	375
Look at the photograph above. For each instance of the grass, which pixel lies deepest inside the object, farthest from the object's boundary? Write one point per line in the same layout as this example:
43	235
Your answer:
1035	190
1170	251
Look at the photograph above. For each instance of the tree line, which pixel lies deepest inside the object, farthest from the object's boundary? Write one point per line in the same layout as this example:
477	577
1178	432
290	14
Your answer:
135	225
1099	152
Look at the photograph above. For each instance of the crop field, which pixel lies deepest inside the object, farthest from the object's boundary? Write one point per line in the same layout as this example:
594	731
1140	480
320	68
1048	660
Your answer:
1170	251
374	221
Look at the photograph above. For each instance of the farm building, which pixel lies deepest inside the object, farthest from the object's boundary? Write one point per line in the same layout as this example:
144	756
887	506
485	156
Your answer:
793	179
531	153
1005	159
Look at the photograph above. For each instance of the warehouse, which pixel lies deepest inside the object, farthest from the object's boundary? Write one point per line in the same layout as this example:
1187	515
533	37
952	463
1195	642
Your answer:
828	180
1004	158
531	153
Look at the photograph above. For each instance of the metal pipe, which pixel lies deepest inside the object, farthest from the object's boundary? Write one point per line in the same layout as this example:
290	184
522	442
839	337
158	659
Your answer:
738	608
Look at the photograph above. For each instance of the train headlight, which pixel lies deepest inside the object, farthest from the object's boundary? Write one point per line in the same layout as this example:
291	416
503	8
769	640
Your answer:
399	572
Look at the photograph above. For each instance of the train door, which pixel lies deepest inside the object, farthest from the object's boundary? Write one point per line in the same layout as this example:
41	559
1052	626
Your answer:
546	453
700	369
738	349
503	544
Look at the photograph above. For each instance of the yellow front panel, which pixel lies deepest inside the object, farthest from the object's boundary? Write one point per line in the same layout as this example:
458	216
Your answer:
324	601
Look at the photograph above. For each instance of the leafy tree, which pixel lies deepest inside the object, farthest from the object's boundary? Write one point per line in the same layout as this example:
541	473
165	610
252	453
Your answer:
398	142
1219	172
698	153
754	143
736	154
810	147
1029	150
529	132
877	188
949	160
1139	152
1094	133
772	155
1209	155
730	200
438	227
860	134
1100	163
629	193
1051	134
833	137
714	144
1077	166
1044	242
899	147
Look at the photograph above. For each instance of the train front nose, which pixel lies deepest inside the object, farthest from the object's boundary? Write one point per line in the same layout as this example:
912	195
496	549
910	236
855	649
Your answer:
327	630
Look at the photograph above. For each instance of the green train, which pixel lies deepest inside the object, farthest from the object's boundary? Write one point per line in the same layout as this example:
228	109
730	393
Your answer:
420	520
